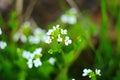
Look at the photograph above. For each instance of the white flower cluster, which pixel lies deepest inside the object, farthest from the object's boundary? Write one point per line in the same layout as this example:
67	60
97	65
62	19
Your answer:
33	58
58	34
38	35
86	72
2	43
70	17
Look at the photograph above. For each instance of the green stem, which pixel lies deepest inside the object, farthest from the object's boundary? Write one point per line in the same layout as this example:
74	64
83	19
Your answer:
93	78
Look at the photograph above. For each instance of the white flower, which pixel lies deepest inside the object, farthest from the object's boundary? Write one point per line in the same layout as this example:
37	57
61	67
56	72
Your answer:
64	18
63	31
73	10
0	31
72	20
37	62
59	38
23	38
67	41
27	55
73	78
50	31
97	71
48	40
3	44
38	51
34	39
86	72
16	36
52	61
30	63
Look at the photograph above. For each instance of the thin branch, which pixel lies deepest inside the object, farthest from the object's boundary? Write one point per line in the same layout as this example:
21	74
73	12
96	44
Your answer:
29	9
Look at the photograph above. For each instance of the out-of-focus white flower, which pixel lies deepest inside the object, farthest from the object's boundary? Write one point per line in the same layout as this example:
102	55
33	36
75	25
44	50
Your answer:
52	60
27	55
0	31
59	38
48	40
64	31
20	36
34	39
73	10
26	24
39	32
73	78
3	44
16	36
38	51
67	41
37	62
64	18
72	19
97	71
23	38
30	63
69	17
86	72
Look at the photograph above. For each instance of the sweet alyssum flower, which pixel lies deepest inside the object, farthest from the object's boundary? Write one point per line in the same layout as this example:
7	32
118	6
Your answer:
33	58
57	34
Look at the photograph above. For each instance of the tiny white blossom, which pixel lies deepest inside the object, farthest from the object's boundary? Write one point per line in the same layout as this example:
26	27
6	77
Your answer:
3	44
57	26
0	31
67	41
38	51
37	62
52	60
49	31
23	38
64	18
63	31
72	20
34	39
59	38
73	78
27	55
48	40
97	71
86	72
30	63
